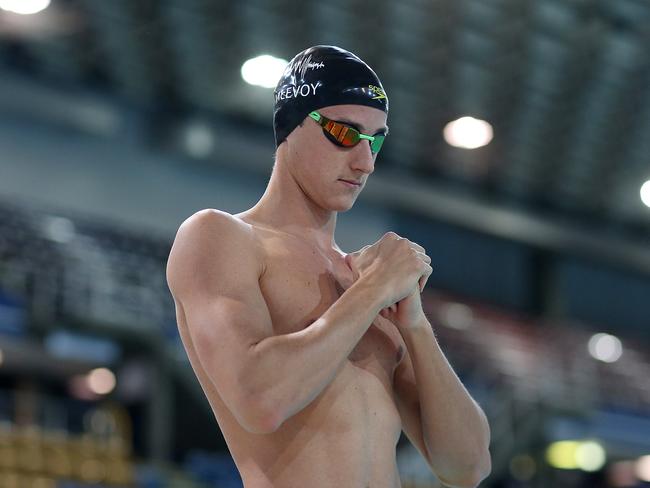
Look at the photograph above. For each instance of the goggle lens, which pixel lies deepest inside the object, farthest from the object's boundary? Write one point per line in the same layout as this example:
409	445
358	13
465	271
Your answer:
345	135
375	145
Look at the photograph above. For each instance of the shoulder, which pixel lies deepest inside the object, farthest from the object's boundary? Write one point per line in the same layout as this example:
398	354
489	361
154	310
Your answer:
212	217
212	229
214	239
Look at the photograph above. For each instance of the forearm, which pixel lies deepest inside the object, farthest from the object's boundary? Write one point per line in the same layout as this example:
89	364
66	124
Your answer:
289	371
454	427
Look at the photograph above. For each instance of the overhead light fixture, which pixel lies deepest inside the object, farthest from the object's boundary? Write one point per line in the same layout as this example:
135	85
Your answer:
645	193
562	454
264	70
468	133
93	385
24	7
590	456
605	347
101	381
586	455
198	139
59	229
643	468
458	316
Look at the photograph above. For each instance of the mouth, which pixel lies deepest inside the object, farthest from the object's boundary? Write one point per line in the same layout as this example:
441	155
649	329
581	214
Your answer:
353	183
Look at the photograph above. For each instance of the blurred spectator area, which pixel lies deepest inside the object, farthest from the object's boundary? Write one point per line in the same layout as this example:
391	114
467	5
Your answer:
534	377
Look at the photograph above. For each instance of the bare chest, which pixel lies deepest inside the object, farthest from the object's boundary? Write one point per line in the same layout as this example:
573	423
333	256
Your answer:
300	284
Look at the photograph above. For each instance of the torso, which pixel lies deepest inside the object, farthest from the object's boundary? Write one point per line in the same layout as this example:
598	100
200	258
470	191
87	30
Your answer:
348	434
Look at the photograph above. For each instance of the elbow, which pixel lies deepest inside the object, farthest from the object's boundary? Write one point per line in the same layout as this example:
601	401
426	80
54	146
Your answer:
257	416
480	472
255	406
470	476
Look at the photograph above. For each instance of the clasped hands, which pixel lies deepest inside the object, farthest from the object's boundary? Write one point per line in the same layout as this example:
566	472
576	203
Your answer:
399	270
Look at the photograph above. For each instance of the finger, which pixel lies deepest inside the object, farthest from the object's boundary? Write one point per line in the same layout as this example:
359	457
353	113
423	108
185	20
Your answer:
389	235
424	257
353	268
417	247
426	276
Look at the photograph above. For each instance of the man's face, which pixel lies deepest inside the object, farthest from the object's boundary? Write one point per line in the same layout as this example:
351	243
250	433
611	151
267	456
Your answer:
333	176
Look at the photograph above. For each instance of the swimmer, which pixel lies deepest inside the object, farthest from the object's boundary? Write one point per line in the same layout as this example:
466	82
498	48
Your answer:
313	360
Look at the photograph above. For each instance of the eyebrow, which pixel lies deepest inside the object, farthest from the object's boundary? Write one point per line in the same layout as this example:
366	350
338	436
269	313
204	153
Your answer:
361	128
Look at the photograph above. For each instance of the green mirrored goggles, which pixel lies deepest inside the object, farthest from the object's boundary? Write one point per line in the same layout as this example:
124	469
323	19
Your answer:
344	135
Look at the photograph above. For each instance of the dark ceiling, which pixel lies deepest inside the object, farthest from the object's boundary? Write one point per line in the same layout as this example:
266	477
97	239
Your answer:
565	83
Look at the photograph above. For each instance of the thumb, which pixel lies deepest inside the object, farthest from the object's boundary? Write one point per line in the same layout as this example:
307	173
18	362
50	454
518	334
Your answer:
349	260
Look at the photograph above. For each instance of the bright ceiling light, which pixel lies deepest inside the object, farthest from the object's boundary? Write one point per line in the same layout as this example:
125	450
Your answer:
584	455
458	316
198	139
590	456
468	133
101	381
264	71
605	347
24	7
562	454
643	468
59	229
645	193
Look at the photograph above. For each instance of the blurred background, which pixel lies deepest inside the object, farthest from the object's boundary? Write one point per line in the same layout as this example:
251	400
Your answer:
519	156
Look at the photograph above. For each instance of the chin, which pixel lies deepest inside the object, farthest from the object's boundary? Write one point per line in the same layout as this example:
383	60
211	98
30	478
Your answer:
342	205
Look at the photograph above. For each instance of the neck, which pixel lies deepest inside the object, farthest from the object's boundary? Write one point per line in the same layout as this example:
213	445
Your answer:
286	207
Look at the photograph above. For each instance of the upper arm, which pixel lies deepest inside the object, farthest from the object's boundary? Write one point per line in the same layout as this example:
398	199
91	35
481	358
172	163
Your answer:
213	273
408	404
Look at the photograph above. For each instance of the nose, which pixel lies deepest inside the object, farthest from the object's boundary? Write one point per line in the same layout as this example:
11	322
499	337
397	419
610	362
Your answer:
362	158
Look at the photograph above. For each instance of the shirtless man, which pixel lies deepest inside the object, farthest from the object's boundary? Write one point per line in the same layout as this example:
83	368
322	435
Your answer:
314	361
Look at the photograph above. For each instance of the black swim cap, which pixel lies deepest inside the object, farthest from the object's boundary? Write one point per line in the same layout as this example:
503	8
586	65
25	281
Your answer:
321	76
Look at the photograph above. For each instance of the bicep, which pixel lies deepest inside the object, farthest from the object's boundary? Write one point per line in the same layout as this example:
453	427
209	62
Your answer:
213	273
224	327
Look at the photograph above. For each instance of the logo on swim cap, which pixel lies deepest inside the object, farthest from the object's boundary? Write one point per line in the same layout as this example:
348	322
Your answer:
303	90
378	92
302	65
